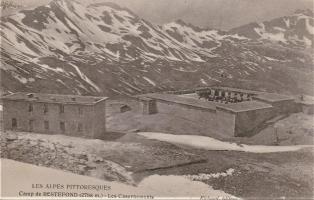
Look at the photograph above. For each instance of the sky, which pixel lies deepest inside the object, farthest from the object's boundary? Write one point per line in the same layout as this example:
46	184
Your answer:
219	14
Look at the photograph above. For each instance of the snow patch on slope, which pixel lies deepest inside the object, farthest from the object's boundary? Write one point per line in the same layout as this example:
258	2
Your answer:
202	176
85	78
149	81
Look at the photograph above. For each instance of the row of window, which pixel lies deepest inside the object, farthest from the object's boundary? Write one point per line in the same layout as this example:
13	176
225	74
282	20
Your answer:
46	125
45	109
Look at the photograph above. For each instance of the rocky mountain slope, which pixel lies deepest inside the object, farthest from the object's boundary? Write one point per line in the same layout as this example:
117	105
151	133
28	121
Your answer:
5	4
8	6
103	49
296	29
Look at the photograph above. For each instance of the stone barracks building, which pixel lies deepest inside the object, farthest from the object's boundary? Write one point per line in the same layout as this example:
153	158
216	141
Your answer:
231	111
82	116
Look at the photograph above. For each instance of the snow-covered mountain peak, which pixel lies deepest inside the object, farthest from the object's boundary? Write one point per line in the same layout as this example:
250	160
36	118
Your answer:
296	30
182	23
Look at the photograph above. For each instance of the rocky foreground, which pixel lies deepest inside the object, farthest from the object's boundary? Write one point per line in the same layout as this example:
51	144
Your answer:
43	152
107	160
131	158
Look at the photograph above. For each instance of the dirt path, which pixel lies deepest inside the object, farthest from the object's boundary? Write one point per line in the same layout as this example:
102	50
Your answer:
207	143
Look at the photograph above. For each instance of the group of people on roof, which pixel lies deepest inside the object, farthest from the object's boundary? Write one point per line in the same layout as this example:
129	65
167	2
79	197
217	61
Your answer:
223	98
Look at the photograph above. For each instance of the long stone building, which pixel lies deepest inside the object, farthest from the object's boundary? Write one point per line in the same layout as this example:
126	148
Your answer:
82	116
229	111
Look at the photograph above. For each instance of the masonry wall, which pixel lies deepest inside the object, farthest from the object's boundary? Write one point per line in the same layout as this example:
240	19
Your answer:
222	122
228	122
225	122
71	118
100	120
18	110
206	117
285	107
282	106
248	123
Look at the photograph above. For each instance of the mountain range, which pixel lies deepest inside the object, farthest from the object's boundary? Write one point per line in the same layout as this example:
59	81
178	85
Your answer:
105	49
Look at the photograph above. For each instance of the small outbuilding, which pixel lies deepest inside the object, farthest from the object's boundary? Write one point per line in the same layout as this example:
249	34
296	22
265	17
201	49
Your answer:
148	105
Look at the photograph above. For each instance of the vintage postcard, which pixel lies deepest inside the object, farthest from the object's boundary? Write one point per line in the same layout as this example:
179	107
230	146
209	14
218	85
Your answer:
157	99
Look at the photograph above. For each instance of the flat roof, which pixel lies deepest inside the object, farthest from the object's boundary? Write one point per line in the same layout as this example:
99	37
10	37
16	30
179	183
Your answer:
273	97
181	100
54	98
232	107
244	106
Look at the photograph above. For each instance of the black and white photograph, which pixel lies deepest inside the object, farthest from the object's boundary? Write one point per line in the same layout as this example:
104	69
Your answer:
157	99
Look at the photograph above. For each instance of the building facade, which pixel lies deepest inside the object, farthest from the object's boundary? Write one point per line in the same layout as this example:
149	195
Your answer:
81	116
229	111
